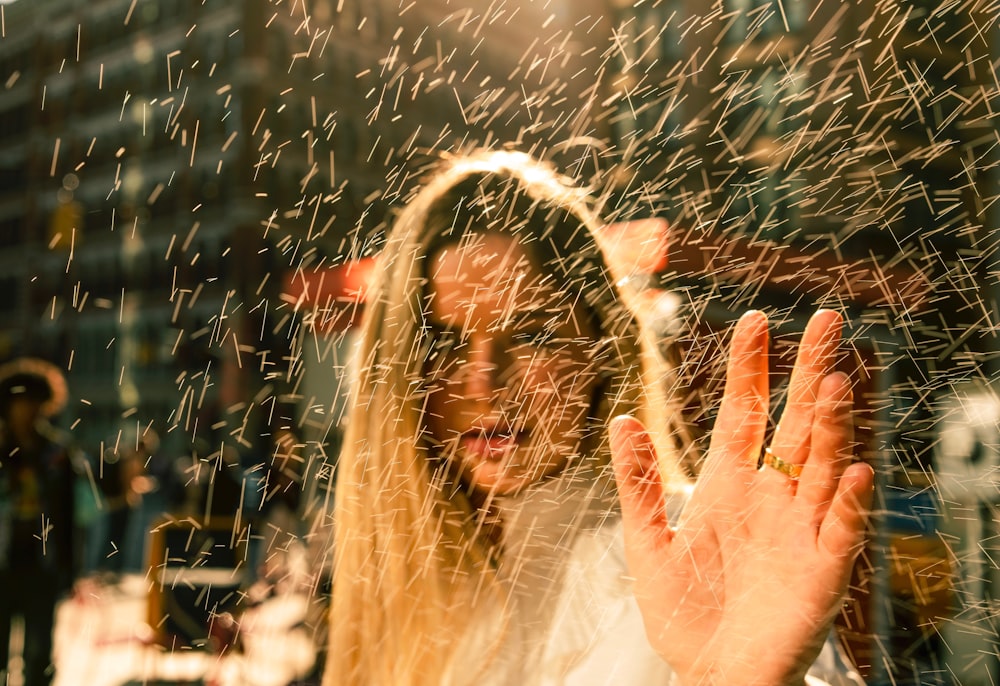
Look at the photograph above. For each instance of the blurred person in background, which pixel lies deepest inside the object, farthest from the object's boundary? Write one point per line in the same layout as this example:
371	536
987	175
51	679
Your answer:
113	474
153	492
37	478
278	555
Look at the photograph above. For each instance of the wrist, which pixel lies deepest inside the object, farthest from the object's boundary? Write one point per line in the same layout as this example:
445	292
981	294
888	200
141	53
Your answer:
716	677
732	666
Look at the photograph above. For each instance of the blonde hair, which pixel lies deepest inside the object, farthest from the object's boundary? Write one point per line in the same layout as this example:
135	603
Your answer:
412	562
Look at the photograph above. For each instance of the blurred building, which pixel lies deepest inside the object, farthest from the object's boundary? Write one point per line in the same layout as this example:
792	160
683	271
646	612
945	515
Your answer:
168	166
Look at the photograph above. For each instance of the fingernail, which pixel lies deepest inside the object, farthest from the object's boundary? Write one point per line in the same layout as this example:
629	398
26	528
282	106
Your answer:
826	311
752	317
753	322
615	433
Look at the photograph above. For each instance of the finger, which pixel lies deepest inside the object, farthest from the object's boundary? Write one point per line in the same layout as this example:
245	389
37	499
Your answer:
739	428
830	448
640	488
815	358
841	534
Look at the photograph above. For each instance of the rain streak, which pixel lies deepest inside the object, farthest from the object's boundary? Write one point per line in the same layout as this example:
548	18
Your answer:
321	316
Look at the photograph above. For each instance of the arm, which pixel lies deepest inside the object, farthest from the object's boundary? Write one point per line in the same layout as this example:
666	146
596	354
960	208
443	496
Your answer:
745	588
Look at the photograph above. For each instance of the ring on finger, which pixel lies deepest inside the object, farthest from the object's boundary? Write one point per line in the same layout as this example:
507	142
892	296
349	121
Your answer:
789	469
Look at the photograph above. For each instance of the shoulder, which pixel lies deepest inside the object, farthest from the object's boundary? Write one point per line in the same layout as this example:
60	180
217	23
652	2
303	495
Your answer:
597	566
60	453
597	636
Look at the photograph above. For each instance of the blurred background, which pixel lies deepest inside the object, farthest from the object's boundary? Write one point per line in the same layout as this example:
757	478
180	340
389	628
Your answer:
192	191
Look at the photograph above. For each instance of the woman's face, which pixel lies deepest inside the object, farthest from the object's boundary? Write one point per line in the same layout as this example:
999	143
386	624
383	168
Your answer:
511	367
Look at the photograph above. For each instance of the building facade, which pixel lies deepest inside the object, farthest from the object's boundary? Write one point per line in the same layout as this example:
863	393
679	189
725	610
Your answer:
167	164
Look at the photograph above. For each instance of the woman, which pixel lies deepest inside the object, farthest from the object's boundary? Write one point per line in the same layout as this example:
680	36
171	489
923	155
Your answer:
37	476
478	533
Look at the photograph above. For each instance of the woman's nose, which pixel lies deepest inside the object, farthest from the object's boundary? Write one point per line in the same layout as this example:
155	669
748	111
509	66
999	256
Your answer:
487	369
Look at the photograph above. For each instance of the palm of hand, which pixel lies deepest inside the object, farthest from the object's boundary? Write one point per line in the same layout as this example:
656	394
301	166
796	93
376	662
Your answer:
744	589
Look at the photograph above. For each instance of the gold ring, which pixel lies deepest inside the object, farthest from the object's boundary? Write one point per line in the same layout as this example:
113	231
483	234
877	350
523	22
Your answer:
792	471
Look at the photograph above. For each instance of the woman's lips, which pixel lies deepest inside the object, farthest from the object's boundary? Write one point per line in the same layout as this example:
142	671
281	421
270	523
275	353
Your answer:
492	446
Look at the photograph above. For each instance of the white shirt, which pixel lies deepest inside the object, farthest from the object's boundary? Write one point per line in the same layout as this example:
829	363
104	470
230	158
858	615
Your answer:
597	638
574	620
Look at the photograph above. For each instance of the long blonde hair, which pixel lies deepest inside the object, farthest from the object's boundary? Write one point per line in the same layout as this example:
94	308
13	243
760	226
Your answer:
412	562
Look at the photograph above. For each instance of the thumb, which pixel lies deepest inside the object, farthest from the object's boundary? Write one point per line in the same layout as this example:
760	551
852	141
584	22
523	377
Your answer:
640	488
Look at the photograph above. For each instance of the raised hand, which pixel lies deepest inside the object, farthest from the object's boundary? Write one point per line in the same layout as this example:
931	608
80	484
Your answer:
744	589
